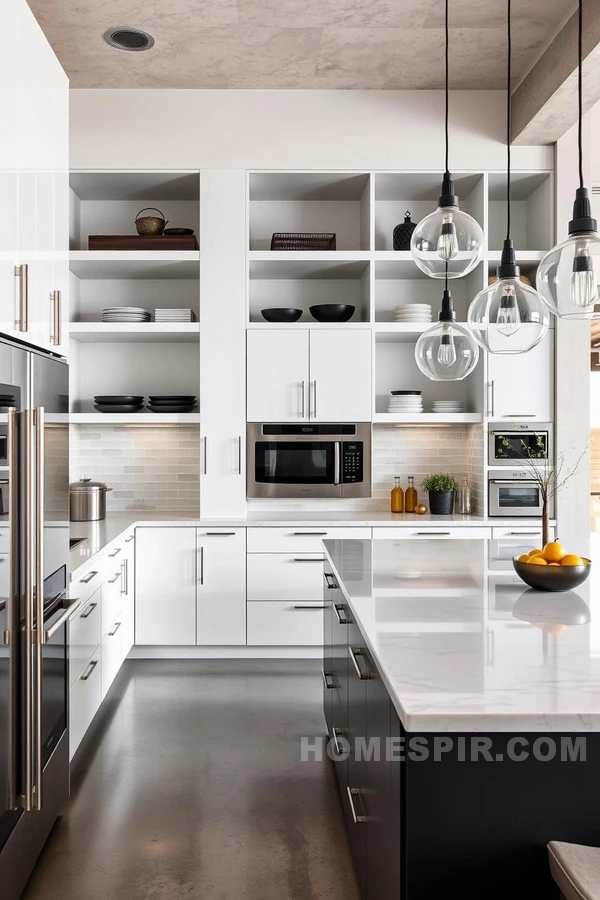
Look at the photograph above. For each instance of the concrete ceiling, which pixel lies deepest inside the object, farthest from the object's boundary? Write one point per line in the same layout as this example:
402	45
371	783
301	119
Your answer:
311	44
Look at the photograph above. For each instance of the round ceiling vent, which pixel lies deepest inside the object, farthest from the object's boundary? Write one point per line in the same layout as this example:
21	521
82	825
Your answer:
128	39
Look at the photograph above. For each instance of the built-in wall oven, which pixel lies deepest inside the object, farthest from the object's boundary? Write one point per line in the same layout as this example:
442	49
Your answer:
309	460
514	493
520	442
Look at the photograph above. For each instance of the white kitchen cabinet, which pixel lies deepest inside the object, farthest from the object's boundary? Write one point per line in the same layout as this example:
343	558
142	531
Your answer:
281	624
221	587
223	342
282	576
112	655
85	698
437	532
128	594
112	598
302	538
278	375
85	634
309	375
522	386
340	374
166	573
9	100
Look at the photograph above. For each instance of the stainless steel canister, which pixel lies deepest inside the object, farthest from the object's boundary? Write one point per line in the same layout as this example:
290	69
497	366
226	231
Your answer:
87	500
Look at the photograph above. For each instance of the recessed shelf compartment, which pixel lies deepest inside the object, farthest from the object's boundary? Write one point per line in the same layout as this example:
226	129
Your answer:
148	332
395	193
293	284
400	282
135	264
336	202
532	210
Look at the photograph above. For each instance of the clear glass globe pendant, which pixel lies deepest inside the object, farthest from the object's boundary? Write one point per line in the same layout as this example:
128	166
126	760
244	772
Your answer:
508	316
568	275
446	351
448	243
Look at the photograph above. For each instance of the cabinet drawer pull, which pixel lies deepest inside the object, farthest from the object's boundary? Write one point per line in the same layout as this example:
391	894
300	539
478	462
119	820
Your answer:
130	538
310	533
338	607
519	416
115	629
115	577
114	553
352	793
431	533
330	581
88	610
354	652
55	335
88	578
337	732
310	606
317	559
524	533
327	675
22	273
88	671
220	533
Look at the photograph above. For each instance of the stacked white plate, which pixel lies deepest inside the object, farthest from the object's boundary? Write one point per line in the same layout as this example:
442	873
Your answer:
413	312
447	406
174	315
406	404
125	314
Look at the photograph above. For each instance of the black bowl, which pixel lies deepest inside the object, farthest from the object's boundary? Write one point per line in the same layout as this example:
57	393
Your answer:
118	408
281	314
402	393
120	399
332	312
174	398
552	578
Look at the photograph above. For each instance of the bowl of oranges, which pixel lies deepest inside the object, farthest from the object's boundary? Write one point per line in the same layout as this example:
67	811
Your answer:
552	569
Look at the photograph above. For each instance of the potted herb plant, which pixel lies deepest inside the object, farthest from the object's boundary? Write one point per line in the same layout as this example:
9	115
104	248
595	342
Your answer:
441	489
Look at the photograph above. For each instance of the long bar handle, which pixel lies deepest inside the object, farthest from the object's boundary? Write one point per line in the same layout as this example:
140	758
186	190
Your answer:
353	653
519	416
219	533
13	576
310	533
239	454
201	565
327	675
314	409
523	533
88	670
115	629
205	455
339	607
89	609
115	577
129	539
491	398
71	611
352	793
114	553
432	533
38	422
124	576
55	336
310	606
28	546
88	578
303	399
330	581
22	273
317	559
337	462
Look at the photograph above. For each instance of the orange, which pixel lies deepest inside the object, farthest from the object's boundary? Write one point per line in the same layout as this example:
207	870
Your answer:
537	554
534	551
537	561
524	557
554	551
571	559
554	564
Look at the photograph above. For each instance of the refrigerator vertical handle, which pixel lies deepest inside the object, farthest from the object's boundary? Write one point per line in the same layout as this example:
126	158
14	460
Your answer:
28	735
12	634
38	422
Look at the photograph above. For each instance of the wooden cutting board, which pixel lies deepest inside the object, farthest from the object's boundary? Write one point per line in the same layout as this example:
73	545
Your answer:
142	242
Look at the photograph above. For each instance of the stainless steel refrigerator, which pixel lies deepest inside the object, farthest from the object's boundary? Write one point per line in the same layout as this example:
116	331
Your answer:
34	609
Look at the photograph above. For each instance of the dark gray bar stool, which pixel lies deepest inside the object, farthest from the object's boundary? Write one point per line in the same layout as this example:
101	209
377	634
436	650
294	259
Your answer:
576	870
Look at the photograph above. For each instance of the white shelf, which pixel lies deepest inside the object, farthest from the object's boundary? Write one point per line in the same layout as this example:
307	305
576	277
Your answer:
149	264
305	323
400	332
427	419
524	257
150	332
141	418
308	258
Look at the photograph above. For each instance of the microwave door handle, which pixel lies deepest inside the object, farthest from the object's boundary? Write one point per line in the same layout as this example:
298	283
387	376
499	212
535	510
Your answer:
337	453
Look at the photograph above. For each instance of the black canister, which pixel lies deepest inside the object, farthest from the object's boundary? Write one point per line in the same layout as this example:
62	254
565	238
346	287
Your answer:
403	233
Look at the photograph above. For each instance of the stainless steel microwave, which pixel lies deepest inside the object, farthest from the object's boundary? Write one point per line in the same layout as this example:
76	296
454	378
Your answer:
514	494
518	442
309	460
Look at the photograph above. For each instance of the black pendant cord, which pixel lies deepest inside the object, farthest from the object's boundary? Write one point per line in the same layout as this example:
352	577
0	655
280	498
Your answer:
447	77
508	118
582	222
580	91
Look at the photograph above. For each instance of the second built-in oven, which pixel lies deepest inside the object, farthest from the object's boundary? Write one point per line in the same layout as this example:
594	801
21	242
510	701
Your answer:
514	493
309	460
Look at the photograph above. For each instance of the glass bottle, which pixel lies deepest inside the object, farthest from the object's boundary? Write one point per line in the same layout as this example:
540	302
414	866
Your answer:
397	496
465	505
411	498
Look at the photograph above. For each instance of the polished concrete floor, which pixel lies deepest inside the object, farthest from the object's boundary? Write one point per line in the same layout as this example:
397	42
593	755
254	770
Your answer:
190	787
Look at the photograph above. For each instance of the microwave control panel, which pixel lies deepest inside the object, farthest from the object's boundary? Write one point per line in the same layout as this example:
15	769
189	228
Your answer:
352	467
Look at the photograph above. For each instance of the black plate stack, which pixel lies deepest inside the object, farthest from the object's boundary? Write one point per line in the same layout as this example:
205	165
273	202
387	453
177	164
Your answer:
172	403
118	403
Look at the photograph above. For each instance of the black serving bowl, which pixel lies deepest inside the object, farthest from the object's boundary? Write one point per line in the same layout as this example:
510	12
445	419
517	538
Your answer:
332	312
281	314
552	578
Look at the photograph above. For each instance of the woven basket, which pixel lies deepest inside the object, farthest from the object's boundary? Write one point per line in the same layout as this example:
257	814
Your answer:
296	241
150	224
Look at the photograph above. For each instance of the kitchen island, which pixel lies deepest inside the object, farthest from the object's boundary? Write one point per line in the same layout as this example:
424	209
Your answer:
463	711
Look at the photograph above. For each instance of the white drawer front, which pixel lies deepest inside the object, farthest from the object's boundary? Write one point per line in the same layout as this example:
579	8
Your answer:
83	587
439	532
519	533
4	540
283	624
112	655
85	697
127	627
85	633
283	576
112	598
301	539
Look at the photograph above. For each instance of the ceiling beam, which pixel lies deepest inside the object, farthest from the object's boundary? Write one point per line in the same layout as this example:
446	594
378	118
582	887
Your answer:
545	103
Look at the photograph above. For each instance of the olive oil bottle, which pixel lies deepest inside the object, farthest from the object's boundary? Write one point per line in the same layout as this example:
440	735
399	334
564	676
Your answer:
397	497
411	498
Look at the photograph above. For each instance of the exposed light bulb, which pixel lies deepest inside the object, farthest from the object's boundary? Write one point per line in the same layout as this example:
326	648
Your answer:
584	290
508	318
446	355
447	244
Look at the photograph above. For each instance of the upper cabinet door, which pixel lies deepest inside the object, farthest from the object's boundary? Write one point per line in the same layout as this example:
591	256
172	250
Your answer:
522	386
277	383
340	375
59	310
8	167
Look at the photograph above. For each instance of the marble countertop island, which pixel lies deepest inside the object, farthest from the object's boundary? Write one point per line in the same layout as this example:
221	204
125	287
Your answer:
463	650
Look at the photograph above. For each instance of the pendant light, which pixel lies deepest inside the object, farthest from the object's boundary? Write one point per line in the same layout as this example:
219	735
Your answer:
446	351
568	274
448	243
508	316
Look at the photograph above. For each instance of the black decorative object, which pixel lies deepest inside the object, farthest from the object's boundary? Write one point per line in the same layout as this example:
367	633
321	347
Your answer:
332	312
303	241
403	232
441	503
281	314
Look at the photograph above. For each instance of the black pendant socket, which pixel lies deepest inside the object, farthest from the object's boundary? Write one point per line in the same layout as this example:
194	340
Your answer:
582	221
448	197
447	313
508	267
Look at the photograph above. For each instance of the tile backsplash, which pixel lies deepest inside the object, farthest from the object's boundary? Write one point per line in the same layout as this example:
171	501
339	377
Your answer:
148	468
